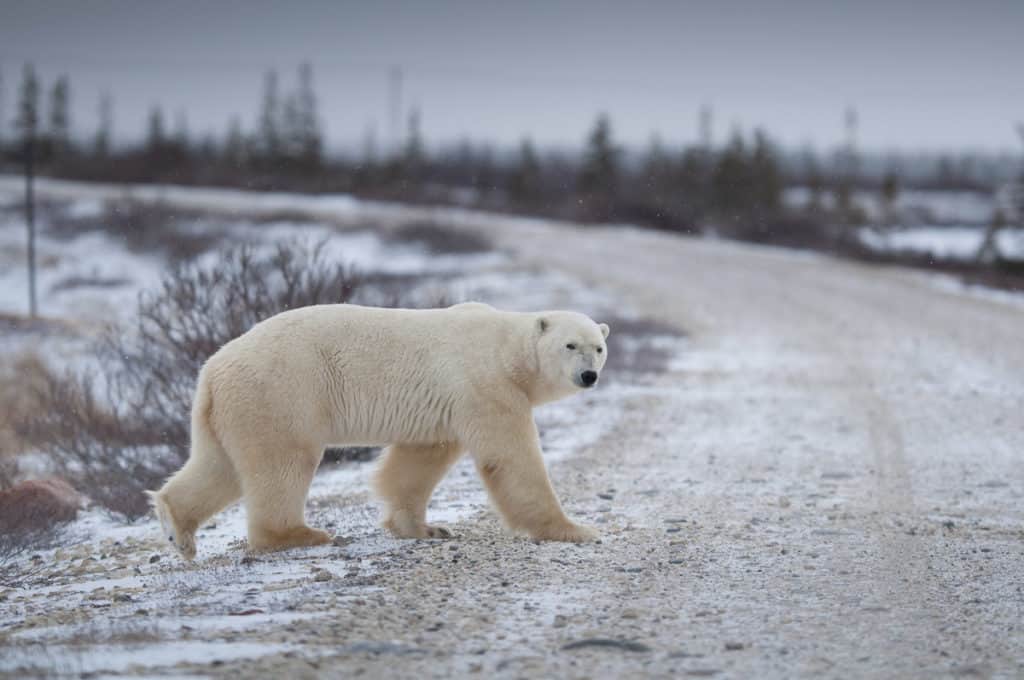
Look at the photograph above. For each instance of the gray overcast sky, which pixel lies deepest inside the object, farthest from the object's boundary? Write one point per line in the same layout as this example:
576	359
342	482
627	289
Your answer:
937	75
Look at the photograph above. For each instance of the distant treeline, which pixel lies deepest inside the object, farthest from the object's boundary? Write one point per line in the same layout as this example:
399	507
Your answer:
734	188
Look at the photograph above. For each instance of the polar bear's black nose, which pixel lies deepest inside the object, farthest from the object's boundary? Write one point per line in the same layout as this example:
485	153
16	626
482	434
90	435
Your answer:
588	378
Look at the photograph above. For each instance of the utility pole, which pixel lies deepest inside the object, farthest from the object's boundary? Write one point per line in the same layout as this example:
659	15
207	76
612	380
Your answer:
395	108
30	218
2	116
850	122
28	121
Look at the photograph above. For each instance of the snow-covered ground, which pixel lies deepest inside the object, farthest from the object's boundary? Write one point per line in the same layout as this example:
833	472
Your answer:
112	598
822	479
947	243
942	224
912	207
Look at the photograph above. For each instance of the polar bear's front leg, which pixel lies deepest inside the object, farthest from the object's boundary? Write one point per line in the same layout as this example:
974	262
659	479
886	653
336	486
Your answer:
508	457
406	478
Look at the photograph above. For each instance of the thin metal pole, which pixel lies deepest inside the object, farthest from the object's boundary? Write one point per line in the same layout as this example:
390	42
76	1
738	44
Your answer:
30	218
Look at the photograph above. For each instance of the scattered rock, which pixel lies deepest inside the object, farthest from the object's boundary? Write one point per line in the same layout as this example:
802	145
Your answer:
154	559
560	621
608	643
734	646
606	496
323	575
784	502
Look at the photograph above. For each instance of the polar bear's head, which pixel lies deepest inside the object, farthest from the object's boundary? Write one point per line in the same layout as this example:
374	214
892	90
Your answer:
571	352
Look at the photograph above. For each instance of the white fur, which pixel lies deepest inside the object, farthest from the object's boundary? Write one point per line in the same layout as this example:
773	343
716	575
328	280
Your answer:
430	383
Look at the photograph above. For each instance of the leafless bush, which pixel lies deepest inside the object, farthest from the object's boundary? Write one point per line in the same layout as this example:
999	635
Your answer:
121	430
441	240
143	226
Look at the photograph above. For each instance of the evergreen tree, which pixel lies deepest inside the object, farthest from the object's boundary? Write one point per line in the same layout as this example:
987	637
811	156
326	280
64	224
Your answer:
181	141
27	122
525	180
765	176
412	155
890	192
270	122
657	176
234	144
815	182
731	181
101	145
599	175
156	137
59	132
3	116
308	136
694	183
291	129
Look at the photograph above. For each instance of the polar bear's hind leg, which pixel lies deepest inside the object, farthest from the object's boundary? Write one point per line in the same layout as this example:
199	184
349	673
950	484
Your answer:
203	487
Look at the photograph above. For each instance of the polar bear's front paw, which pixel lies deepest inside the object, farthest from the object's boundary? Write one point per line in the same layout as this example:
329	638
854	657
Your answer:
403	527
437	532
568	532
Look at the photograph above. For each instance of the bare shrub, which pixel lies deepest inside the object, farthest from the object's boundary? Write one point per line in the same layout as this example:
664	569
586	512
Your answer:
442	240
119	431
143	226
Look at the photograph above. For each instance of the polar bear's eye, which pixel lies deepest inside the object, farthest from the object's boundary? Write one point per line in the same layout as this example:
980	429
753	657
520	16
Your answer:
570	346
600	349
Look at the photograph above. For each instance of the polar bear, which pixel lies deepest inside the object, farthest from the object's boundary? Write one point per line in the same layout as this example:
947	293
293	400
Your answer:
430	384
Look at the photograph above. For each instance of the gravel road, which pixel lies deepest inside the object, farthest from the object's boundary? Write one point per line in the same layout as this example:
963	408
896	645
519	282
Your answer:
827	484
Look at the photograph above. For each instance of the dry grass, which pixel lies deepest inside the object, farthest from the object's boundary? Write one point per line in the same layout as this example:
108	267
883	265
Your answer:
22	382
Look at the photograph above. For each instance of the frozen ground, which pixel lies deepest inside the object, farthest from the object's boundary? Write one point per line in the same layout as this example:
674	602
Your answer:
823	479
944	243
944	224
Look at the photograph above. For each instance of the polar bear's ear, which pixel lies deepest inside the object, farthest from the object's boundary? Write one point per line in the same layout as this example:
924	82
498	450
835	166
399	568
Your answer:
604	329
542	325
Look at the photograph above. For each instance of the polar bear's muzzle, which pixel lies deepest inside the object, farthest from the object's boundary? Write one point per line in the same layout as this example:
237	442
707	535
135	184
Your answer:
588	378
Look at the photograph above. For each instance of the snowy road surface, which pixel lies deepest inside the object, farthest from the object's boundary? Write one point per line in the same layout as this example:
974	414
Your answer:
847	459
827	483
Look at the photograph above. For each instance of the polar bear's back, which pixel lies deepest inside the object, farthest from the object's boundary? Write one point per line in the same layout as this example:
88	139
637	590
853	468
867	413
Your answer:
347	374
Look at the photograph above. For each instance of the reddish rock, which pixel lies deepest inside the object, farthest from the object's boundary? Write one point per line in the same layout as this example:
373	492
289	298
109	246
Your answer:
38	504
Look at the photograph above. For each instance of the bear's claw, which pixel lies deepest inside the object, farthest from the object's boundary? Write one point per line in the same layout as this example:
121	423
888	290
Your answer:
438	532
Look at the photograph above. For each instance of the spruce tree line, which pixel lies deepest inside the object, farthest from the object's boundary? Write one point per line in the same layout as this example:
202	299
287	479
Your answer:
736	188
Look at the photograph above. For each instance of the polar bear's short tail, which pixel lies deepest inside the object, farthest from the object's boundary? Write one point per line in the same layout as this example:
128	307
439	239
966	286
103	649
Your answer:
204	486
